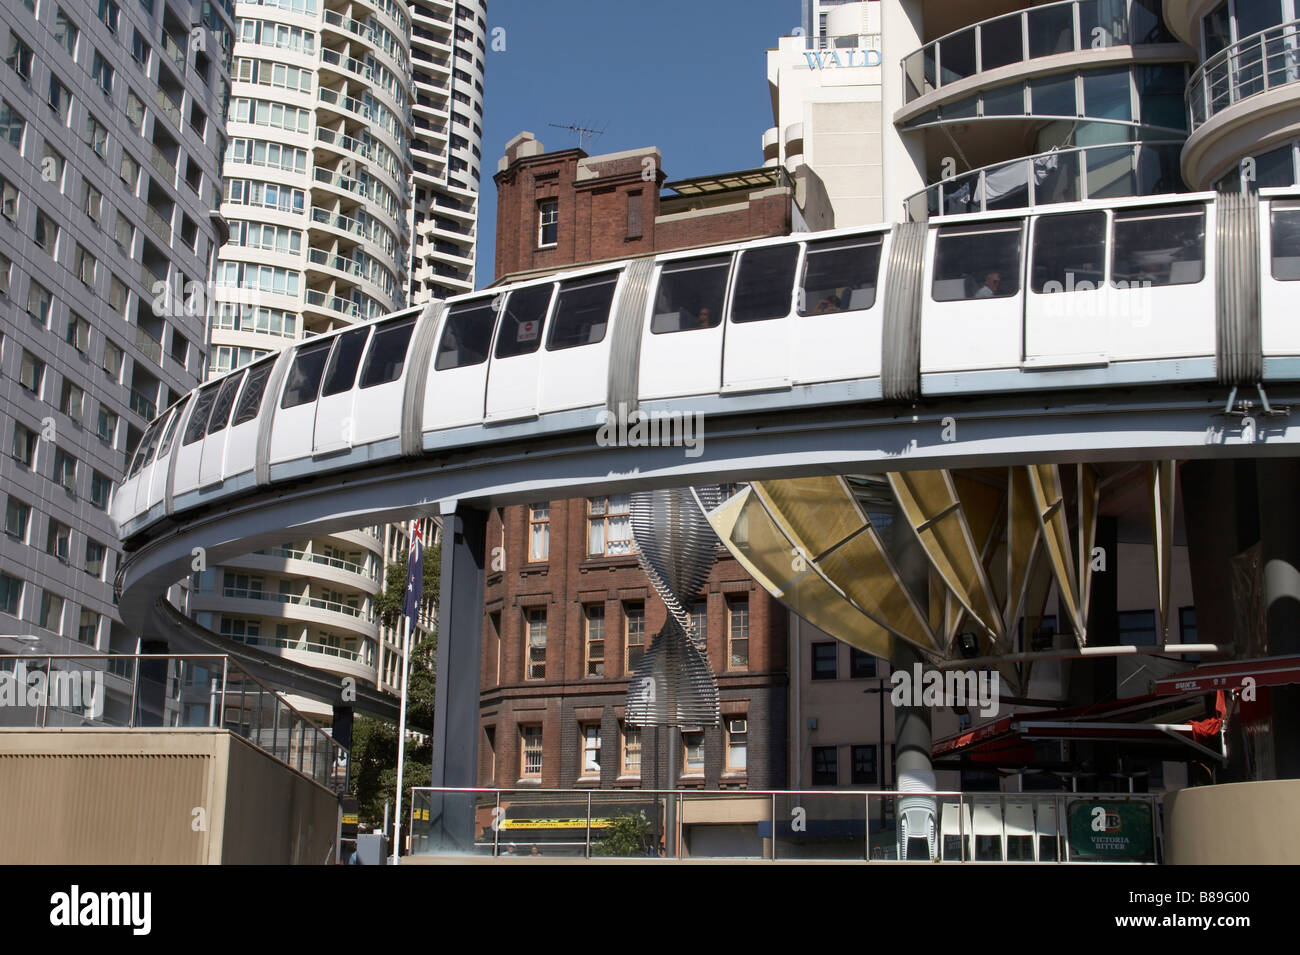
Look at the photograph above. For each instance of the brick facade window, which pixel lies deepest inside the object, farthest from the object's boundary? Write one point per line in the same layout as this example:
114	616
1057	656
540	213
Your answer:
700	620
631	760
633	635
590	749
594	642
826	770
737	744
548	222
738	633
530	765
692	753
535	625
609	526
539	531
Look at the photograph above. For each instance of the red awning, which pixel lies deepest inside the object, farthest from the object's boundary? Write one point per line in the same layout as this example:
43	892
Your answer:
1268	671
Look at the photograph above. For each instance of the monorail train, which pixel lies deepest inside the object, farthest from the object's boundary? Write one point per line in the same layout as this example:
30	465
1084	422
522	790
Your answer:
1176	289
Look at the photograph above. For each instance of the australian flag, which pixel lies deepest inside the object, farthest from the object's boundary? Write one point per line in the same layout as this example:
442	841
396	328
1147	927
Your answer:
414	577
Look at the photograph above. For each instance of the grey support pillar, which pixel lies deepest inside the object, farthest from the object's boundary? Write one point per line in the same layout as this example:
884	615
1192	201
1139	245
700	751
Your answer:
460	638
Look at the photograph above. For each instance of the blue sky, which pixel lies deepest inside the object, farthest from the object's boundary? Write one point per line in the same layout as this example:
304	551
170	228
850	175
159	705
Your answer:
688	76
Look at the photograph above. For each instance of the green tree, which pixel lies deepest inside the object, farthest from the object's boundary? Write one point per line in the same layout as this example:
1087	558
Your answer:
626	835
389	601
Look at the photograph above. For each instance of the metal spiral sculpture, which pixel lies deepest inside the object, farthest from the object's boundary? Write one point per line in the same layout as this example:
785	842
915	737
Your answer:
673	684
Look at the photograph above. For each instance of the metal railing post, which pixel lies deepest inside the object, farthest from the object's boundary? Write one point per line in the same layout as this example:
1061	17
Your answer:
773	856
588	849
497	817
135	689
225	676
45	703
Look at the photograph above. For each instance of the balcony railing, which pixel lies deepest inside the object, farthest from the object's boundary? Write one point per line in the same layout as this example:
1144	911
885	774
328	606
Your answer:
351	64
291	554
169	109
151	347
286	643
333	303
164	166
348	25
331	138
159	225
336	179
1253	65
175	52
1062	175
1028	35
173	691
337	262
336	221
349	103
318	603
140	404
765	825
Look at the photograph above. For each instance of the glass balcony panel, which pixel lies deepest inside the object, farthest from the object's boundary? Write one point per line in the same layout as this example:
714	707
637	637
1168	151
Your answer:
1051	30
1053	96
1147	24
1108	95
957	57
1007	187
1057	178
1001	42
1111	172
962	109
961	195
1005	101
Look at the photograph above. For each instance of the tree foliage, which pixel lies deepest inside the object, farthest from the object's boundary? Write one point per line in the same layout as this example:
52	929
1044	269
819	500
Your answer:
626	835
389	601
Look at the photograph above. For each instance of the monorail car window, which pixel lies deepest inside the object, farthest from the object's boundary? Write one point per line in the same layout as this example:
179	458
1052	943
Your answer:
344	361
225	402
251	399
522	321
1069	252
764	283
467	335
198	423
305	375
142	449
172	426
690	294
1162	246
1285	241
388	353
977	261
581	312
840	275
151	442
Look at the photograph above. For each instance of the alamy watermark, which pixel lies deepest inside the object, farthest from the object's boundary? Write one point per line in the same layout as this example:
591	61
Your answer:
62	689
651	429
967	688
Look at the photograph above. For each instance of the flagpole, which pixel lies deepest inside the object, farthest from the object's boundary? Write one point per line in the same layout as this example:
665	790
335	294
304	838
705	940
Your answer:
401	735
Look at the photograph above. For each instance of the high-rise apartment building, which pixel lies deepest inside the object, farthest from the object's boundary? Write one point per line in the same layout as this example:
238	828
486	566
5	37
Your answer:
334	107
113	126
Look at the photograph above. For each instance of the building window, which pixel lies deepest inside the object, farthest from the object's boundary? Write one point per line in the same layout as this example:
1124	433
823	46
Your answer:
823	661
20	58
113	356
78	333
531	758
634	214
31	373
1137	627
24	445
631	765
65	32
548	222
609	526
700	622
106	425
633	636
8	200
17	517
12	125
58	540
46	232
590	749
11	592
97	139
6	264
88	628
535	625
39	302
52	612
864	765
65	470
826	770
92	200
692	753
737	633
737	744
539	531
595	640
95	558
108	11
100	488
861	664
102	73
71	400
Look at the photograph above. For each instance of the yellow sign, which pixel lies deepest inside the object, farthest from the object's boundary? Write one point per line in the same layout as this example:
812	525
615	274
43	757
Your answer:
349	819
553	823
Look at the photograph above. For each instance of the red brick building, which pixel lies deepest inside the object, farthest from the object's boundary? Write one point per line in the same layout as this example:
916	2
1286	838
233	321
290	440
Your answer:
567	610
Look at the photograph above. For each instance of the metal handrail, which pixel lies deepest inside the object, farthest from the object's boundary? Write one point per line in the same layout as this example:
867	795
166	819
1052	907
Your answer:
1224	79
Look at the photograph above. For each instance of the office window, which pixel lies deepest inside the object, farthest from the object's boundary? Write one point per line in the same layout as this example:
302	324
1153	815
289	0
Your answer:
140	50
92	200
633	636
113	356
737	633
824	661
51	611
594	621
590	749
31	373
65	470
535	627
108	11
117	295
692	753
58	540
609	526
46	232
71	400
8	200
134	110
19	58
861	664
5	266
129	172
52	166
78	333
826	770
83	265
11	592
539	531
17	518
24	445
95	558
124	233
12	125
102	72
39	302
531	751
864	765
66	32
100	489
631	759
737	744
88	627
1137	627
96	137
548	222
1187	625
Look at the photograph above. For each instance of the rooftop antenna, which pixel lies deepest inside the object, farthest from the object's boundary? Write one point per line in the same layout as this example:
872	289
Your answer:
585	134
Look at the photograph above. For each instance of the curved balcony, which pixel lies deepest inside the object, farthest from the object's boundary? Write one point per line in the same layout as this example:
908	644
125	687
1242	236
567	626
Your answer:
1062	175
1241	100
349	226
320	655
1035	33
332	305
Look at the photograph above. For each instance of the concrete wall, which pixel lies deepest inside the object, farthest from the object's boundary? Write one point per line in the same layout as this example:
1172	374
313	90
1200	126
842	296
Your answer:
129	797
1238	823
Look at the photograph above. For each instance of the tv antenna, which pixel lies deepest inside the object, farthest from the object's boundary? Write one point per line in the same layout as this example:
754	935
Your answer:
585	134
